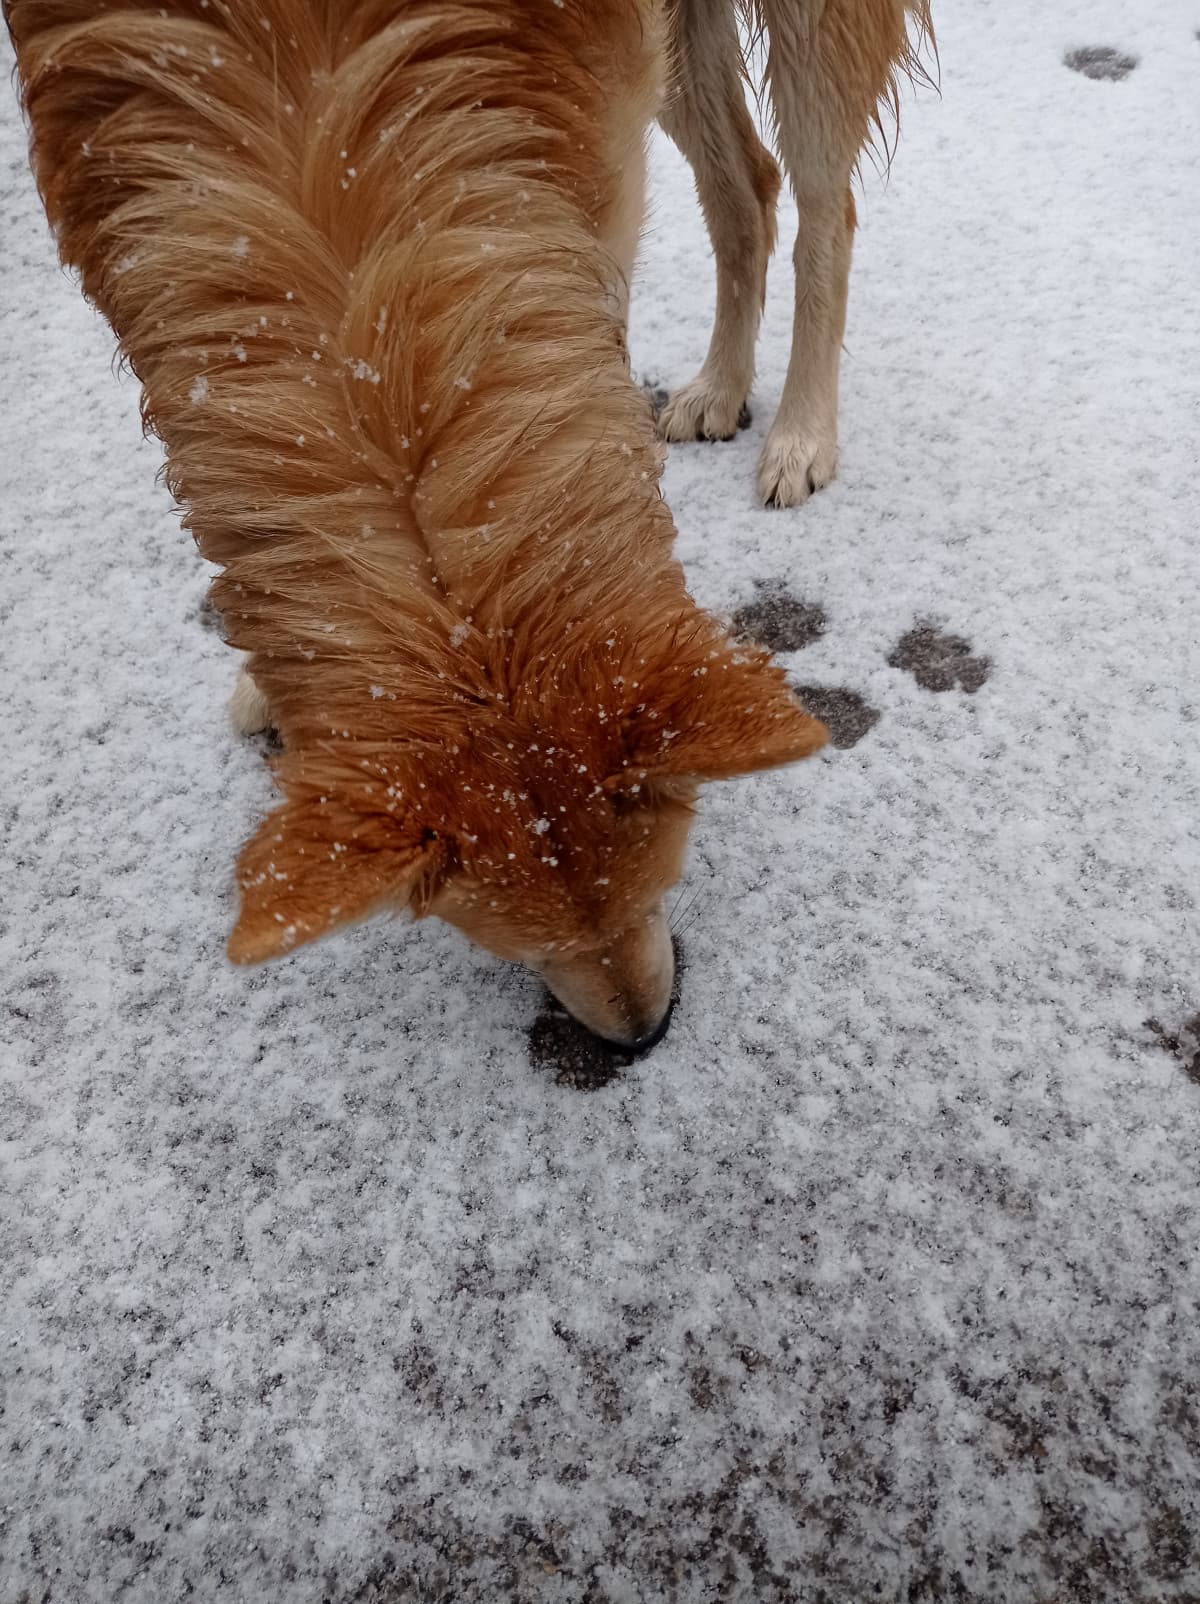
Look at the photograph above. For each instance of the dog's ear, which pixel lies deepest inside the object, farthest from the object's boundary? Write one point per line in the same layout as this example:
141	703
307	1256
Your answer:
730	712
315	865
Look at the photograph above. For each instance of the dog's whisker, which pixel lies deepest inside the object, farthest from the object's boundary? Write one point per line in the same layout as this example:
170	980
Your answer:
682	917
683	892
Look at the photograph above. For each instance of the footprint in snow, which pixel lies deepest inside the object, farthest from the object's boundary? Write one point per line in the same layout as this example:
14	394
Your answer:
939	662
1183	1044
658	394
1100	61
844	713
778	620
783	623
210	618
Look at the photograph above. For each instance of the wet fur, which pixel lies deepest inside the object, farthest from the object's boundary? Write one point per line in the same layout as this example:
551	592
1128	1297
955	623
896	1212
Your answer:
367	261
834	69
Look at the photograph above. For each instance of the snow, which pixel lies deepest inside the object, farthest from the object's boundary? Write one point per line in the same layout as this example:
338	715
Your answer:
877	1279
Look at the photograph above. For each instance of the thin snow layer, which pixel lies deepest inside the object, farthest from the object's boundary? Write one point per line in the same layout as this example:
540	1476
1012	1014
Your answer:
878	1279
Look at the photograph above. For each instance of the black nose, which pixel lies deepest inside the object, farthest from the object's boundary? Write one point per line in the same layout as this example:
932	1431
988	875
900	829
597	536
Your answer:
643	1041
643	1044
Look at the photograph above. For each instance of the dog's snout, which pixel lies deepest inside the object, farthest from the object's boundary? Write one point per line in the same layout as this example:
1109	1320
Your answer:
638	1038
623	994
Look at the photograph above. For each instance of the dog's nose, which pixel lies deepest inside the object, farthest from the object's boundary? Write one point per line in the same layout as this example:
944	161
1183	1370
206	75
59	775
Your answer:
651	1038
640	1041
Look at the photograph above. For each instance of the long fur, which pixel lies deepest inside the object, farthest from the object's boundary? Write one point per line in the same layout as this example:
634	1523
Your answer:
831	76
355	255
896	37
355	414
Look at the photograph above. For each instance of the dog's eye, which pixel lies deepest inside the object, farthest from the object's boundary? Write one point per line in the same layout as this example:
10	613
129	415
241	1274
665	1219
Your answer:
634	799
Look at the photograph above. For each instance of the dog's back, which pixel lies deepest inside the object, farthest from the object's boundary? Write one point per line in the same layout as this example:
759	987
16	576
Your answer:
284	210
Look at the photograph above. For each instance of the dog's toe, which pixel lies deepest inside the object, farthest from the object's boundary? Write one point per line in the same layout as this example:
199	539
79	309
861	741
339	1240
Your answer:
702	410
792	467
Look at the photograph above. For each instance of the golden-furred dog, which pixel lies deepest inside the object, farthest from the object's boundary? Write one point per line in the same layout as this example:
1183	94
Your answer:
368	260
831	66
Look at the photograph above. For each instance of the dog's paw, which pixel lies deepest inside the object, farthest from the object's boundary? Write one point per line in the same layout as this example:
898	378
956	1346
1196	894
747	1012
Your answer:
248	710
793	465
702	410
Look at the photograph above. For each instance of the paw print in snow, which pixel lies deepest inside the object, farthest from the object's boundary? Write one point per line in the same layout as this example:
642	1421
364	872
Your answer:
844	713
1183	1044
939	662
783	623
1100	61
777	620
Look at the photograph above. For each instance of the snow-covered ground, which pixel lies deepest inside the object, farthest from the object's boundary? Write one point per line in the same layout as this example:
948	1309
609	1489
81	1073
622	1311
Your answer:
878	1279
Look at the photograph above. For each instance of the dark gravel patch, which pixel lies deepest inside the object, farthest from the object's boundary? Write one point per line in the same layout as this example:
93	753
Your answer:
576	1057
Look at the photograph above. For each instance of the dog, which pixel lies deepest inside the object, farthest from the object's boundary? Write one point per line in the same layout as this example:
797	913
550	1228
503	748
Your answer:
833	69
369	263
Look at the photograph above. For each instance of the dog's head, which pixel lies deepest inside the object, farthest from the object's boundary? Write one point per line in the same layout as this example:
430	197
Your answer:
546	824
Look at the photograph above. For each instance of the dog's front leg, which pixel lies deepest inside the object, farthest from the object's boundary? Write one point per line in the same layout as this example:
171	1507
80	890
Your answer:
738	184
800	454
829	65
